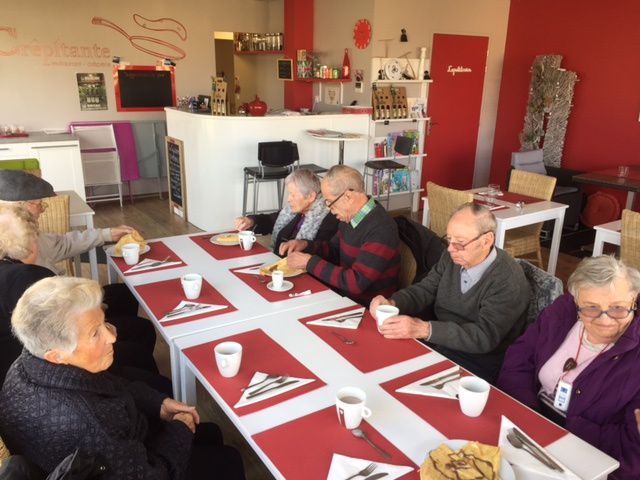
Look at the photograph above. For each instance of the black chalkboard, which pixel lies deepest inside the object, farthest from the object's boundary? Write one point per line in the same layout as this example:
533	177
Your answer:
144	88
285	69
175	177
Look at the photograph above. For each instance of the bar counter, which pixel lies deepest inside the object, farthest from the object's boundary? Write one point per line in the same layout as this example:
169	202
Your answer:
216	150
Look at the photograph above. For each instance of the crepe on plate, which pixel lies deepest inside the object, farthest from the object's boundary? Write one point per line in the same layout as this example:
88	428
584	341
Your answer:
230	238
281	265
133	237
474	461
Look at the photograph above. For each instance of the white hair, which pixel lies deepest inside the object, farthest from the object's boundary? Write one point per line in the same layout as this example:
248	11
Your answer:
602	272
46	316
306	181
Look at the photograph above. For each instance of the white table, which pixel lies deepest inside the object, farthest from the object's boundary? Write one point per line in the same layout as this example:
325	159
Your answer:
402	427
339	137
513	217
81	215
249	303
606	233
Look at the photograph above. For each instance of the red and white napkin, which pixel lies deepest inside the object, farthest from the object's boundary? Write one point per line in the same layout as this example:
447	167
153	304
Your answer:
186	309
350	319
344	467
151	264
449	388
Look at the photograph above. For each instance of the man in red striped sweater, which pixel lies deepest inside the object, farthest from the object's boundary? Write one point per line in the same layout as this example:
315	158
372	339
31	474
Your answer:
362	260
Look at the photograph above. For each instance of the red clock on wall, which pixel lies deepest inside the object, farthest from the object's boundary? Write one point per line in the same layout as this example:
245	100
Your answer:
362	33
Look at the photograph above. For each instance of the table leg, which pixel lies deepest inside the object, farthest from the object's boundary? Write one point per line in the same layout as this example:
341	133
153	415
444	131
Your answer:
631	196
555	243
500	233
341	152
598	244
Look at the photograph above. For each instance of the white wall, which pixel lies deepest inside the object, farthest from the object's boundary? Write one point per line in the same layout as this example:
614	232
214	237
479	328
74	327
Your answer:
38	68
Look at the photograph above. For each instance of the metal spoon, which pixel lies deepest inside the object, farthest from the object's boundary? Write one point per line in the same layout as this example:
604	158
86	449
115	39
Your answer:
268	377
360	434
513	439
343	339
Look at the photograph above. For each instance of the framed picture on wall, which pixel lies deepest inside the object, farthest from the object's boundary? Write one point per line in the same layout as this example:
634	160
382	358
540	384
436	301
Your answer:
285	69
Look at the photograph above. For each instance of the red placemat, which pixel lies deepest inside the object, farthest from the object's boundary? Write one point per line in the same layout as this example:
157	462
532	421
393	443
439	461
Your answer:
371	351
445	416
303	448
259	284
162	297
491	206
159	251
220	252
516	197
259	353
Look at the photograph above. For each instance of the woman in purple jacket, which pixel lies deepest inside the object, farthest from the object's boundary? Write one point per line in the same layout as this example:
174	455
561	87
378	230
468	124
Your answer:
578	363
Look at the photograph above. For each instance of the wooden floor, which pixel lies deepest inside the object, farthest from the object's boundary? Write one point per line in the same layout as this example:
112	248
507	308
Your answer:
152	217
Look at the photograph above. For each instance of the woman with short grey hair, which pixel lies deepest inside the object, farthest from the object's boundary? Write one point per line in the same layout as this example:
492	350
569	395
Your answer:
304	216
59	397
577	364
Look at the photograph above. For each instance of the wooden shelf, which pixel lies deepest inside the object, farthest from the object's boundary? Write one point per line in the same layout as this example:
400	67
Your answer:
404	82
259	52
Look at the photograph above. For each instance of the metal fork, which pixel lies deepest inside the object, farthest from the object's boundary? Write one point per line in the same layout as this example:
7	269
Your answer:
366	471
343	318
153	264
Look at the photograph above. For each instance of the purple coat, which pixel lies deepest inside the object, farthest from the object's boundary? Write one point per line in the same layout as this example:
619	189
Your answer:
604	395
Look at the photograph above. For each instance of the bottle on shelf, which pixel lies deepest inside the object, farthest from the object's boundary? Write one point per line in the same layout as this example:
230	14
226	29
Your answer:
346	64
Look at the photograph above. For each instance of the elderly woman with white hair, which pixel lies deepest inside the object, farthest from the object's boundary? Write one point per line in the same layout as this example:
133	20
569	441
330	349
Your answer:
578	363
304	217
58	396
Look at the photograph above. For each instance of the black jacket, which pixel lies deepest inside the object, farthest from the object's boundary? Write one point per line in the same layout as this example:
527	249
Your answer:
49	410
264	225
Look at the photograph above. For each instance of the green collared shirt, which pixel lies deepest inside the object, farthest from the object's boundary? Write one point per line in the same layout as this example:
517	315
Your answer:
366	208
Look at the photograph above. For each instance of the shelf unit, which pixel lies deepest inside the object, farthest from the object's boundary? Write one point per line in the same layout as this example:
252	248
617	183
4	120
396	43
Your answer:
417	94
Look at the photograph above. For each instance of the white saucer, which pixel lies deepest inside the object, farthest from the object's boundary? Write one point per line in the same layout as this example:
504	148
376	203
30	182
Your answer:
286	286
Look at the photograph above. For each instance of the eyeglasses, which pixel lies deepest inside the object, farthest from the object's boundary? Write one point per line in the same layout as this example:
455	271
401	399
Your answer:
457	246
332	203
616	312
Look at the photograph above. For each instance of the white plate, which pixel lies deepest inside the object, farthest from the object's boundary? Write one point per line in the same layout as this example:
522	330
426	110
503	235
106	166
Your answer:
286	286
215	241
506	470
393	70
111	251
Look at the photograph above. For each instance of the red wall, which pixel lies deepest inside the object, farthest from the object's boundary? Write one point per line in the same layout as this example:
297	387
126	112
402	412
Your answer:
600	41
298	34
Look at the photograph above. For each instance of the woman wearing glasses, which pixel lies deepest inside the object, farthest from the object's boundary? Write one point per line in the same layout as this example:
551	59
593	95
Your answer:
578	363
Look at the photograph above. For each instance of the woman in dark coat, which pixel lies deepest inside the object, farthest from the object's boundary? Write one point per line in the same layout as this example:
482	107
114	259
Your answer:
304	217
58	396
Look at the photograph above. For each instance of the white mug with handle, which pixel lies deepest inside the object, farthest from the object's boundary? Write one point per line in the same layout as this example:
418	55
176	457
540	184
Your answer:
247	238
350	406
228	358
131	253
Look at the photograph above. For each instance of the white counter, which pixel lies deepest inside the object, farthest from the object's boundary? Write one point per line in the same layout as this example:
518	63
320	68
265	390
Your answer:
216	149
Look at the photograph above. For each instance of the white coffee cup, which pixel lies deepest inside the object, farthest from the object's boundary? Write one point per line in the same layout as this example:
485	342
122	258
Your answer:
191	284
350	406
385	311
277	279
247	238
131	253
473	393
228	358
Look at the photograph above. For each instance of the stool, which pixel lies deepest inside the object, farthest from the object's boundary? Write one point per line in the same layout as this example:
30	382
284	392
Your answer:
276	161
378	168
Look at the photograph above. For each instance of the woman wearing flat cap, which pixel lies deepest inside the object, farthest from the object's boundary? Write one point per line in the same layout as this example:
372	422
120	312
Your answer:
578	363
58	397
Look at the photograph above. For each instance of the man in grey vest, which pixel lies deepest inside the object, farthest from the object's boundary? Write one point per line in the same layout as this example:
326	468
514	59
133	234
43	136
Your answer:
476	298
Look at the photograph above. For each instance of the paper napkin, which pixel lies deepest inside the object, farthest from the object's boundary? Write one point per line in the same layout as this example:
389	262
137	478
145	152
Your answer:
522	461
350	323
187	309
450	389
343	467
150	264
269	388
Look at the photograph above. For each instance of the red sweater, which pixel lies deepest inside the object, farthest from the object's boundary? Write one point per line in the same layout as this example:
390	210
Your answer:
360	262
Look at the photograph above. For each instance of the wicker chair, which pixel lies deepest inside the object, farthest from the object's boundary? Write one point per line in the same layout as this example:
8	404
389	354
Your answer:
526	240
408	266
443	202
630	238
4	451
55	219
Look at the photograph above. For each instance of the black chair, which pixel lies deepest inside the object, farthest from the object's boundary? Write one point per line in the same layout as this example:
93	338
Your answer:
379	168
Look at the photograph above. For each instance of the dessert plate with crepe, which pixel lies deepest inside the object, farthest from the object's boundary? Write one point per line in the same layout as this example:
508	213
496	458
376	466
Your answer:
225	239
455	459
283	266
133	237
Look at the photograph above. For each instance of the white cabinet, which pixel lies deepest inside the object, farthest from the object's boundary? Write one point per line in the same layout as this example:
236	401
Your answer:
59	159
413	119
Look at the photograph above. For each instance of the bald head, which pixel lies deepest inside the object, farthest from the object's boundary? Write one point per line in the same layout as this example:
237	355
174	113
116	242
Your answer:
482	217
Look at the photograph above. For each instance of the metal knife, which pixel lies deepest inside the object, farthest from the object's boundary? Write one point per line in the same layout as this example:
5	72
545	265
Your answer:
345	316
262	392
540	451
184	310
446	377
376	476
